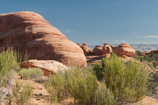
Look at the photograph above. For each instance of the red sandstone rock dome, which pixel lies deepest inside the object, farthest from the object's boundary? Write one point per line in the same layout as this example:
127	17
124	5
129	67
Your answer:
30	31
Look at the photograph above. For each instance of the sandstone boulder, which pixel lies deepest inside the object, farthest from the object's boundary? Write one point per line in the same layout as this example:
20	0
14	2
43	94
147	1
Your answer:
79	44
48	66
97	50
85	49
29	31
113	48
125	49
106	49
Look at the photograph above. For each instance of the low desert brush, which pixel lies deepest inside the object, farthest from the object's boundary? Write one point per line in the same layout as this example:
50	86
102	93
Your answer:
56	86
31	73
21	94
127	82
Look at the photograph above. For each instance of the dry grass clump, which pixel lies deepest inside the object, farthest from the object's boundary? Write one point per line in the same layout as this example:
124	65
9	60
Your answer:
31	73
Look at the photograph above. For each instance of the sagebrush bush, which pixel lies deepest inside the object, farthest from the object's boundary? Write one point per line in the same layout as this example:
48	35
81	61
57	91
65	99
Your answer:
31	73
21	93
82	86
104	96
77	83
56	86
127	82
98	71
155	64
8	61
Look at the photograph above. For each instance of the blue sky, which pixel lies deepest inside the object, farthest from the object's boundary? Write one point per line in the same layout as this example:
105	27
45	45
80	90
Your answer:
96	21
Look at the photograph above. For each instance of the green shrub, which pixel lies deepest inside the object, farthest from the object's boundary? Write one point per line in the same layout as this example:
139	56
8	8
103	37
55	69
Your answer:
152	84
98	71
155	76
21	93
138	53
127	82
77	83
104	96
56	86
31	73
155	64
8	61
82	86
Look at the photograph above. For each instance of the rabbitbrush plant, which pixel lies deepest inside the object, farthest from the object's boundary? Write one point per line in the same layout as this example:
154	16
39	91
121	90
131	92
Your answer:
21	94
56	86
9	62
82	86
31	73
127	82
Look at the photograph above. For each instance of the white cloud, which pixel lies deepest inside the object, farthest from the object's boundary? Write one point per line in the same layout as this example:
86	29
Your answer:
121	41
144	42
69	31
153	36
66	31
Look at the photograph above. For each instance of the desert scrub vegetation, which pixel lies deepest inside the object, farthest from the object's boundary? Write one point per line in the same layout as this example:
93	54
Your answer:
56	87
21	94
152	85
148	58
9	63
80	84
31	73
127	81
113	82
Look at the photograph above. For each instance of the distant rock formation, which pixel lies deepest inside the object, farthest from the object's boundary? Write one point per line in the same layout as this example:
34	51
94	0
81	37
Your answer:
106	49
85	49
29	31
113	48
125	49
102	50
97	50
153	51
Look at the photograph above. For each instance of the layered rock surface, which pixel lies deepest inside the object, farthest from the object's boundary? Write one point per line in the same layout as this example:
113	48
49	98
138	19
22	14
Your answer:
29	31
85	49
125	49
106	49
48	66
97	50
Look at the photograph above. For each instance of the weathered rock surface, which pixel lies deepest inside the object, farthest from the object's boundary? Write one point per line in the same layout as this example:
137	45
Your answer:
29	31
106	49
125	49
97	50
113	48
48	66
85	49
153	51
78	44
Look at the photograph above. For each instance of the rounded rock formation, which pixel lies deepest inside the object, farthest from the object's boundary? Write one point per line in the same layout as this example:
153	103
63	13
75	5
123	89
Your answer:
97	50
85	49
113	48
106	49
125	49
29	31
